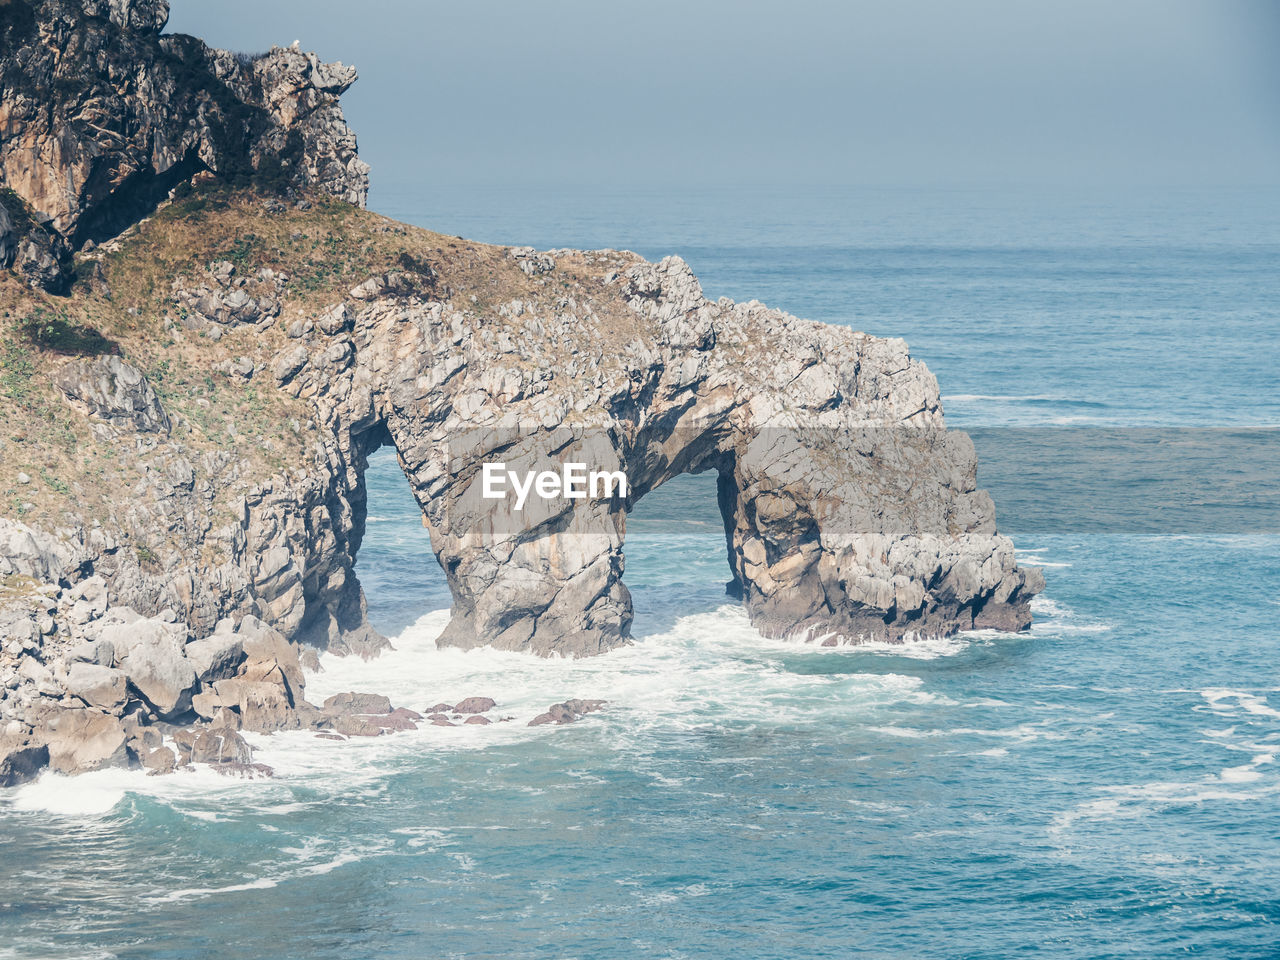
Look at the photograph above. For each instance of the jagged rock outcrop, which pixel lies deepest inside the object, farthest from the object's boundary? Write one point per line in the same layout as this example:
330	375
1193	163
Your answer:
850	512
86	685
101	116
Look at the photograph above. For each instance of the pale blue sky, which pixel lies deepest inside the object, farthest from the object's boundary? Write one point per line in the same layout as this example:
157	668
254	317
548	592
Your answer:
1109	92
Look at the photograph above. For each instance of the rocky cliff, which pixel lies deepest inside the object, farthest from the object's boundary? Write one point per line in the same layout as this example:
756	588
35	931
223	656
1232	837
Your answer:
187	428
101	116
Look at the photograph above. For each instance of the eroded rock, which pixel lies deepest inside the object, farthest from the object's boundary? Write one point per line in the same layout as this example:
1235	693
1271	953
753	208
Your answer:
114	391
475	705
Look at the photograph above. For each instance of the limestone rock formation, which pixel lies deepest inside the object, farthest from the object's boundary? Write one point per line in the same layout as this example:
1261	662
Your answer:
850	511
101	116
102	686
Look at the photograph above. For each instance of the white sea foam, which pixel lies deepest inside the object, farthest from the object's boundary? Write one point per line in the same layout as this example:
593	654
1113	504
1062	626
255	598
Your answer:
1219	700
1003	397
1028	559
1241	774
1051	616
1253	732
710	671
278	873
196	791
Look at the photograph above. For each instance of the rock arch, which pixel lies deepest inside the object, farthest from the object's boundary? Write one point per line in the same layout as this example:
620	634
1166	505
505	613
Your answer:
851	512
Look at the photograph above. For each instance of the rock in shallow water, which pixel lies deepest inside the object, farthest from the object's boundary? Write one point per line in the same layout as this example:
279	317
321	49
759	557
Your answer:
567	712
21	761
366	703
474	705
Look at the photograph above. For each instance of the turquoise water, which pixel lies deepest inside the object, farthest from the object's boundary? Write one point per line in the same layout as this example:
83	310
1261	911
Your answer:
1103	786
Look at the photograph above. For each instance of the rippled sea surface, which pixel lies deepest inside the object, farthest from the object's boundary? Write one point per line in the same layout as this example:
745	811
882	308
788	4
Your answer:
1105	785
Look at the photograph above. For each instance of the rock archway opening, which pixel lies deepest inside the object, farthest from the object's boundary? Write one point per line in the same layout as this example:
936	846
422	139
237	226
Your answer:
676	551
396	565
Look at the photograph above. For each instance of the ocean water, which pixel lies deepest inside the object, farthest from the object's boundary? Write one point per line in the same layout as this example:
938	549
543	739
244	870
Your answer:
1105	785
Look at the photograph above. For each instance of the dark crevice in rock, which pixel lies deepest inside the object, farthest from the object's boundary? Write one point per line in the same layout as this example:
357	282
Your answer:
135	198
727	499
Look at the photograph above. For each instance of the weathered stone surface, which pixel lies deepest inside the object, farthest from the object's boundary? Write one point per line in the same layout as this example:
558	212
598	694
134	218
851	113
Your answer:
217	657
21	761
98	686
262	707
100	652
28	552
114	391
8	239
244	771
265	643
150	654
394	721
160	761
219	745
361	703
80	740
207	705
352	726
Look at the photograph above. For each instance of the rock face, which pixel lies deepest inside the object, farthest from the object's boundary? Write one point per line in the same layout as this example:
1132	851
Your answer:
850	512
101	116
106	687
112	390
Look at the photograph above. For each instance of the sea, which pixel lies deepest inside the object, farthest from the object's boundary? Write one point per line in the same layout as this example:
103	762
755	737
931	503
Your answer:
1104	785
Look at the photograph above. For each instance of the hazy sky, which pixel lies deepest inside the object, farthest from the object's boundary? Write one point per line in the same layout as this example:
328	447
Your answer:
895	92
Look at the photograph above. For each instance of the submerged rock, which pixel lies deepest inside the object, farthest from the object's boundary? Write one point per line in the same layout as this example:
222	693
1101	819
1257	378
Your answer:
475	705
567	712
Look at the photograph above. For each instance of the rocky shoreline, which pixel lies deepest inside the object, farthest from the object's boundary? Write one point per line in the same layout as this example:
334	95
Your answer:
103	687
